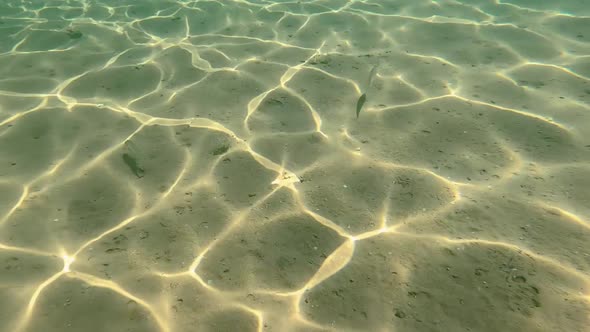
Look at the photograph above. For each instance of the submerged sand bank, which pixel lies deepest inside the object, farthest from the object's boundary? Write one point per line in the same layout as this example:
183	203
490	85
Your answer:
199	166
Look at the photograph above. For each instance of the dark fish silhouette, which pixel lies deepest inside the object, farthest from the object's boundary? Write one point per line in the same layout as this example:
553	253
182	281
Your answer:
131	162
360	103
363	98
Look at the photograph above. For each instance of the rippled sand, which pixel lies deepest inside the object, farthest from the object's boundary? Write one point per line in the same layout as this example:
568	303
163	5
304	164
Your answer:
199	166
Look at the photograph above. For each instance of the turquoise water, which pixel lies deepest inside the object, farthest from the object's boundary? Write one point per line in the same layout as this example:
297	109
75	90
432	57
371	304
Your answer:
294	165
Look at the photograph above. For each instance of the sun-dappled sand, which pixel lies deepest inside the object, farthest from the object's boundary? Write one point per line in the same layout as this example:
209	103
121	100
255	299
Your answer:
314	165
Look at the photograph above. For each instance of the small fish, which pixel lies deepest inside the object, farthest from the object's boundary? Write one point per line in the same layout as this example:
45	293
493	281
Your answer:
363	98
74	34
360	103
371	75
131	162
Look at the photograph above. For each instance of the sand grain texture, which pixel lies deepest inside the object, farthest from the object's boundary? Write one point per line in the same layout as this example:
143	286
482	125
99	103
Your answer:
180	165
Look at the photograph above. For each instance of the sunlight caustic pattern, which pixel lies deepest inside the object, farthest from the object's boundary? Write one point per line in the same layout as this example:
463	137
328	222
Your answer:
198	165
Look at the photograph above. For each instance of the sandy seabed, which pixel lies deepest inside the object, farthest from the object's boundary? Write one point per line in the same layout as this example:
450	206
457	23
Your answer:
199	166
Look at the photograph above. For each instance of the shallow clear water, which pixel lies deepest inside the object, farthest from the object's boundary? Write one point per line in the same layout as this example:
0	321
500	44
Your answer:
294	165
